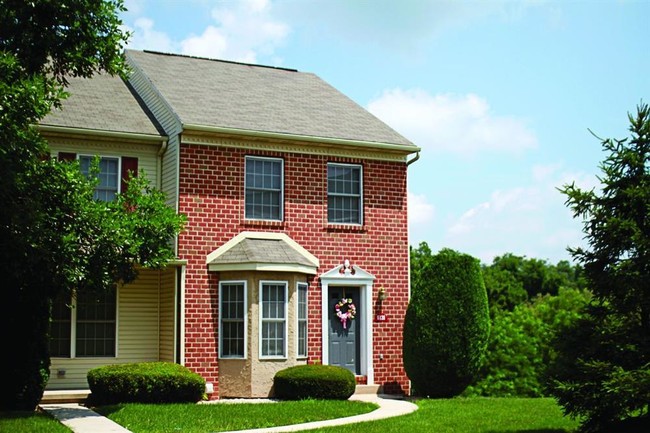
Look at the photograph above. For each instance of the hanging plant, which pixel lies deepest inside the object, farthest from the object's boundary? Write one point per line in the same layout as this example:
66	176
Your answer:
345	310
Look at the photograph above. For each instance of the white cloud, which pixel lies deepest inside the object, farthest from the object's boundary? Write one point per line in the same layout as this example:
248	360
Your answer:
145	37
529	220
421	214
420	210
243	31
460	124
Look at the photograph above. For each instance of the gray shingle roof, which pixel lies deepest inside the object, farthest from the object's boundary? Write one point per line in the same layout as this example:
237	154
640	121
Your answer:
269	251
223	94
104	103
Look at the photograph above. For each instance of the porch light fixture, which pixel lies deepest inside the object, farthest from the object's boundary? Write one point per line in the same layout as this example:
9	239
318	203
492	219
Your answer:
381	296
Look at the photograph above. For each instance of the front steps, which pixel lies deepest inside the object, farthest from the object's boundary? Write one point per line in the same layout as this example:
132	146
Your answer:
65	396
367	390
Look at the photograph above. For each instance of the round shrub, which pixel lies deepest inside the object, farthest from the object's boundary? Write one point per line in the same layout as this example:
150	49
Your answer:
447	322
325	382
145	382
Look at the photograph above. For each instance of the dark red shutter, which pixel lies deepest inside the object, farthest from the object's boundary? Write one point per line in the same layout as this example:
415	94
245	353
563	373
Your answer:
67	156
129	165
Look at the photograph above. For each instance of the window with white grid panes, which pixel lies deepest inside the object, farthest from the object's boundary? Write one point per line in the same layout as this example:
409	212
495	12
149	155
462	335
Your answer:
302	320
264	186
96	320
84	326
232	316
273	319
344	194
108	177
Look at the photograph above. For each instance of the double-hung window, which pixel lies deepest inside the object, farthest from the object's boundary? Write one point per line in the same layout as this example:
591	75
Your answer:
344	194
264	185
273	319
302	320
108	177
232	314
84	327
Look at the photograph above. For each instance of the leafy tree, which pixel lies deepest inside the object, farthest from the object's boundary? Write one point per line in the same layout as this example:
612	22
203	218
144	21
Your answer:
519	349
602	373
53	236
447	322
504	291
536	277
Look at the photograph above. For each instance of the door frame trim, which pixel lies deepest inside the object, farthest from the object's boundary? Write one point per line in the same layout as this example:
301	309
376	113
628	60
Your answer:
350	277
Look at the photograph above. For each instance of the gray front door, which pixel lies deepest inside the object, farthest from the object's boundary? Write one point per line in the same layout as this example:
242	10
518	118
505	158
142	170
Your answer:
344	341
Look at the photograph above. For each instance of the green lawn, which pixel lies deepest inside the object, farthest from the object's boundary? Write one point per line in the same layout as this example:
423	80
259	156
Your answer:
473	415
208	418
30	422
460	415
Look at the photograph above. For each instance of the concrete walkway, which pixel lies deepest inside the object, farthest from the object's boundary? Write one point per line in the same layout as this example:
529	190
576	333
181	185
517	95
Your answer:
80	419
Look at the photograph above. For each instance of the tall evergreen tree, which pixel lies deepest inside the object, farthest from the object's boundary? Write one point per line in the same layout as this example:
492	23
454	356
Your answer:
602	374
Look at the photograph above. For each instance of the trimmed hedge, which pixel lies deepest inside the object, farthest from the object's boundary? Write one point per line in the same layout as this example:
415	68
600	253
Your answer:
146	382
325	382
447	322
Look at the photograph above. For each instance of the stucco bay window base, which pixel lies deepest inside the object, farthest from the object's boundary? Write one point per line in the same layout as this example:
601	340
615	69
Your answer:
252	376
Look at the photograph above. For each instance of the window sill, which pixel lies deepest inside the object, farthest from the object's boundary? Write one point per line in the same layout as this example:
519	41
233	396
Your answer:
273	358
263	223
346	228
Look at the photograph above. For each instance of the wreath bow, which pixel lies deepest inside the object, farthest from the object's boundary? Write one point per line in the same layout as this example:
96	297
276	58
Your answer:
348	314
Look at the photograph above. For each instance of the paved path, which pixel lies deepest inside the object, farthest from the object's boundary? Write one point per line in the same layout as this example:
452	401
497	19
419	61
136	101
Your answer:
80	419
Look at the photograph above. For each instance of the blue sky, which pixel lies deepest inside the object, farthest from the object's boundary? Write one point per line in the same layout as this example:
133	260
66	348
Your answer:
498	94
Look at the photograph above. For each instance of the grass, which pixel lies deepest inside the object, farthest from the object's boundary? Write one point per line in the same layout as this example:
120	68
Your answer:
459	415
473	415
30	422
204	418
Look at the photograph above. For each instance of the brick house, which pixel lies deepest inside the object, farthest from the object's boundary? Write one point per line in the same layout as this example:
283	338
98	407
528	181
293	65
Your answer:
295	198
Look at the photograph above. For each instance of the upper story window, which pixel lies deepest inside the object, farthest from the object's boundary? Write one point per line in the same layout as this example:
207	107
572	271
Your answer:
108	176
344	194
232	332
84	326
273	319
264	185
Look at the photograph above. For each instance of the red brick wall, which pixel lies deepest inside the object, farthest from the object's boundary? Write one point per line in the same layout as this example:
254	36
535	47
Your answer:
211	195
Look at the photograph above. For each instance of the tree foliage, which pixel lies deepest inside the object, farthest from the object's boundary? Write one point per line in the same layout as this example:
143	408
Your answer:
519	349
447	322
53	236
602	373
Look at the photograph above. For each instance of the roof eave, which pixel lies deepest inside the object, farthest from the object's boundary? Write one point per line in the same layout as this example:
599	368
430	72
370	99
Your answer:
68	130
405	149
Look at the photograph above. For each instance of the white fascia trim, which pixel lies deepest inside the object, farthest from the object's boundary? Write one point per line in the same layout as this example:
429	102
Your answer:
408	149
261	235
99	132
266	267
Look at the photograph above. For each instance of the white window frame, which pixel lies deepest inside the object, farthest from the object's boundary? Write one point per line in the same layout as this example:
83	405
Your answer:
252	157
361	206
284	320
119	166
299	320
73	330
245	319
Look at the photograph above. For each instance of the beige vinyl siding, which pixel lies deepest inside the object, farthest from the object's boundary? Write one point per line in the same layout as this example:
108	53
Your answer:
147	154
170	123
138	321
167	314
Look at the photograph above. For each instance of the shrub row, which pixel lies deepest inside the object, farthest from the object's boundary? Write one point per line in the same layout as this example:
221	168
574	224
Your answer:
147	382
326	382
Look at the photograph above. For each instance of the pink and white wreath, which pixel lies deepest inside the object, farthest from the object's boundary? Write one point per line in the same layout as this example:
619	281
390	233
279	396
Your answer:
345	310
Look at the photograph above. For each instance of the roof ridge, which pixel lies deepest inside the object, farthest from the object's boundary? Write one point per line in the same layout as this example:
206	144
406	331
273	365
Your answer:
232	62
